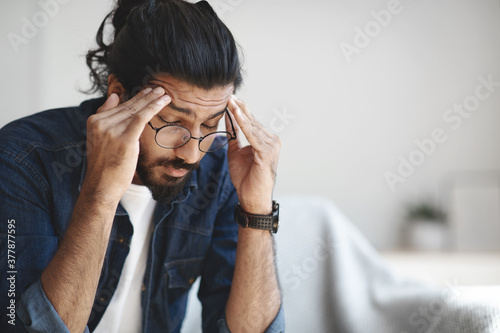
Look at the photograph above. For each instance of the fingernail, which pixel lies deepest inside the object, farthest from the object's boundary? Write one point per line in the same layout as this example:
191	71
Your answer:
147	90
163	100
158	90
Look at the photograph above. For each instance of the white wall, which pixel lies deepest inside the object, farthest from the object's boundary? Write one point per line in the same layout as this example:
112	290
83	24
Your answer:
351	121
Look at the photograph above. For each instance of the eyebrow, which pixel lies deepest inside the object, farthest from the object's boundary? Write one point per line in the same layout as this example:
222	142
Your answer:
191	113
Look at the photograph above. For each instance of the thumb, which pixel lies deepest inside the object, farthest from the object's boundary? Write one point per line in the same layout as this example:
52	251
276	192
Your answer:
112	102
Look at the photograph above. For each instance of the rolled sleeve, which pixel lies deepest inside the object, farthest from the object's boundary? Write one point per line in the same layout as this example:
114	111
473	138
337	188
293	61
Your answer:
37	313
277	325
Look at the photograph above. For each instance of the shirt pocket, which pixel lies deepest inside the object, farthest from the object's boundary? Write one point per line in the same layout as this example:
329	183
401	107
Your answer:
179	276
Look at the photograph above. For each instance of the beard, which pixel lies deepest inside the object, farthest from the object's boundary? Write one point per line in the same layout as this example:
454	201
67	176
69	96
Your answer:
163	187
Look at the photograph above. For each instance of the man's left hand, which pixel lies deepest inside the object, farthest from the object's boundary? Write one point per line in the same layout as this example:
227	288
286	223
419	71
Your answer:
252	167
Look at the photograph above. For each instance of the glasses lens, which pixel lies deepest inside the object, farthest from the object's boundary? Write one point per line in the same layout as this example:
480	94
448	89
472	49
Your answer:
172	136
214	141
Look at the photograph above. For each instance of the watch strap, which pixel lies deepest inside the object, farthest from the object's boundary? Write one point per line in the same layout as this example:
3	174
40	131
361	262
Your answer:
263	222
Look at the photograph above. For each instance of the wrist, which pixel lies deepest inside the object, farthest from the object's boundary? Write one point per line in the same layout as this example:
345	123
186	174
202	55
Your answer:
99	197
261	207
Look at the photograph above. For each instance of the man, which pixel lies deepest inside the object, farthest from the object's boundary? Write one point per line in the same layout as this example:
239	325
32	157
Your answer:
113	208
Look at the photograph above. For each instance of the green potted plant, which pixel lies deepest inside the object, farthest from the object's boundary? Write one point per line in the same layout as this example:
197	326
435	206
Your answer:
426	227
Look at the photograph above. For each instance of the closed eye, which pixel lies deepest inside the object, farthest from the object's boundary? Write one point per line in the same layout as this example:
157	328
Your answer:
169	122
210	128
178	122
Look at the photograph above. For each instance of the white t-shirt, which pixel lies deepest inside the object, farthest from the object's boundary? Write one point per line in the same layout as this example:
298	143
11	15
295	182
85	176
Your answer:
124	313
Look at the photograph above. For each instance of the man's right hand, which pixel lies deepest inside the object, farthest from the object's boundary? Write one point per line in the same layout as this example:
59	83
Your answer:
112	153
113	141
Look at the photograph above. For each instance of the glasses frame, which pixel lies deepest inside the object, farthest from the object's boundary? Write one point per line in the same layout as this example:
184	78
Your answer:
232	136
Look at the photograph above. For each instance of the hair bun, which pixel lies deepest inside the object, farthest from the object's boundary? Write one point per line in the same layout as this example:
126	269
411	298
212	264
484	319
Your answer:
205	7
123	8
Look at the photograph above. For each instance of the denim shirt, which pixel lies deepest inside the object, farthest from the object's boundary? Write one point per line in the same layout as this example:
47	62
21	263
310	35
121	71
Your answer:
42	167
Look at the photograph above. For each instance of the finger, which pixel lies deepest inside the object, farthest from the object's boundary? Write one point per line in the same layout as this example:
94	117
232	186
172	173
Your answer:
241	104
248	126
237	143
256	128
112	102
105	112
134	117
266	134
137	121
136	103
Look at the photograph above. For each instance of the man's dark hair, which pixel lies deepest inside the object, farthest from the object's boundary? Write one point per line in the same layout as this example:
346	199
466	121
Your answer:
187	41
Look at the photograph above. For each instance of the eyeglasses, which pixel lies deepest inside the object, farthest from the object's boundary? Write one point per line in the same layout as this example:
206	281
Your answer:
175	136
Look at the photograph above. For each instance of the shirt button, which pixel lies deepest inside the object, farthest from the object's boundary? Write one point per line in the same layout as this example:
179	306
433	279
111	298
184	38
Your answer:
102	299
121	240
143	287
191	281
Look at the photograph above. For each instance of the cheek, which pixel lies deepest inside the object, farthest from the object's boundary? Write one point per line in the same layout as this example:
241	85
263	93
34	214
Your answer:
205	145
150	151
146	142
147	138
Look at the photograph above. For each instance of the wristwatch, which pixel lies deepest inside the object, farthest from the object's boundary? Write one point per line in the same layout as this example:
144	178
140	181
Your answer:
264	222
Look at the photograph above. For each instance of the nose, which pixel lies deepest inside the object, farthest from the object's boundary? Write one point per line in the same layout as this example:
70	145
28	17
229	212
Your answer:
190	152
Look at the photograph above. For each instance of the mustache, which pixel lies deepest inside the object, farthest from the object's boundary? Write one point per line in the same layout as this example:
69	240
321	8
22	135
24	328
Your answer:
176	164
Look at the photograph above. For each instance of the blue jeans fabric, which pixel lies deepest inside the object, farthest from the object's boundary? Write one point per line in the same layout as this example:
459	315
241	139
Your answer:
42	167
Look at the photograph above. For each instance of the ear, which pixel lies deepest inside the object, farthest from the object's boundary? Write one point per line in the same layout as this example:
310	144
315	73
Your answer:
114	86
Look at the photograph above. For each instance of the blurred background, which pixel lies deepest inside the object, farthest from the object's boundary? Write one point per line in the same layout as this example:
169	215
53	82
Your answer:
391	109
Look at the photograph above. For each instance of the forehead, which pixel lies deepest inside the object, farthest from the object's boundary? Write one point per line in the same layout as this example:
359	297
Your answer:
189	96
